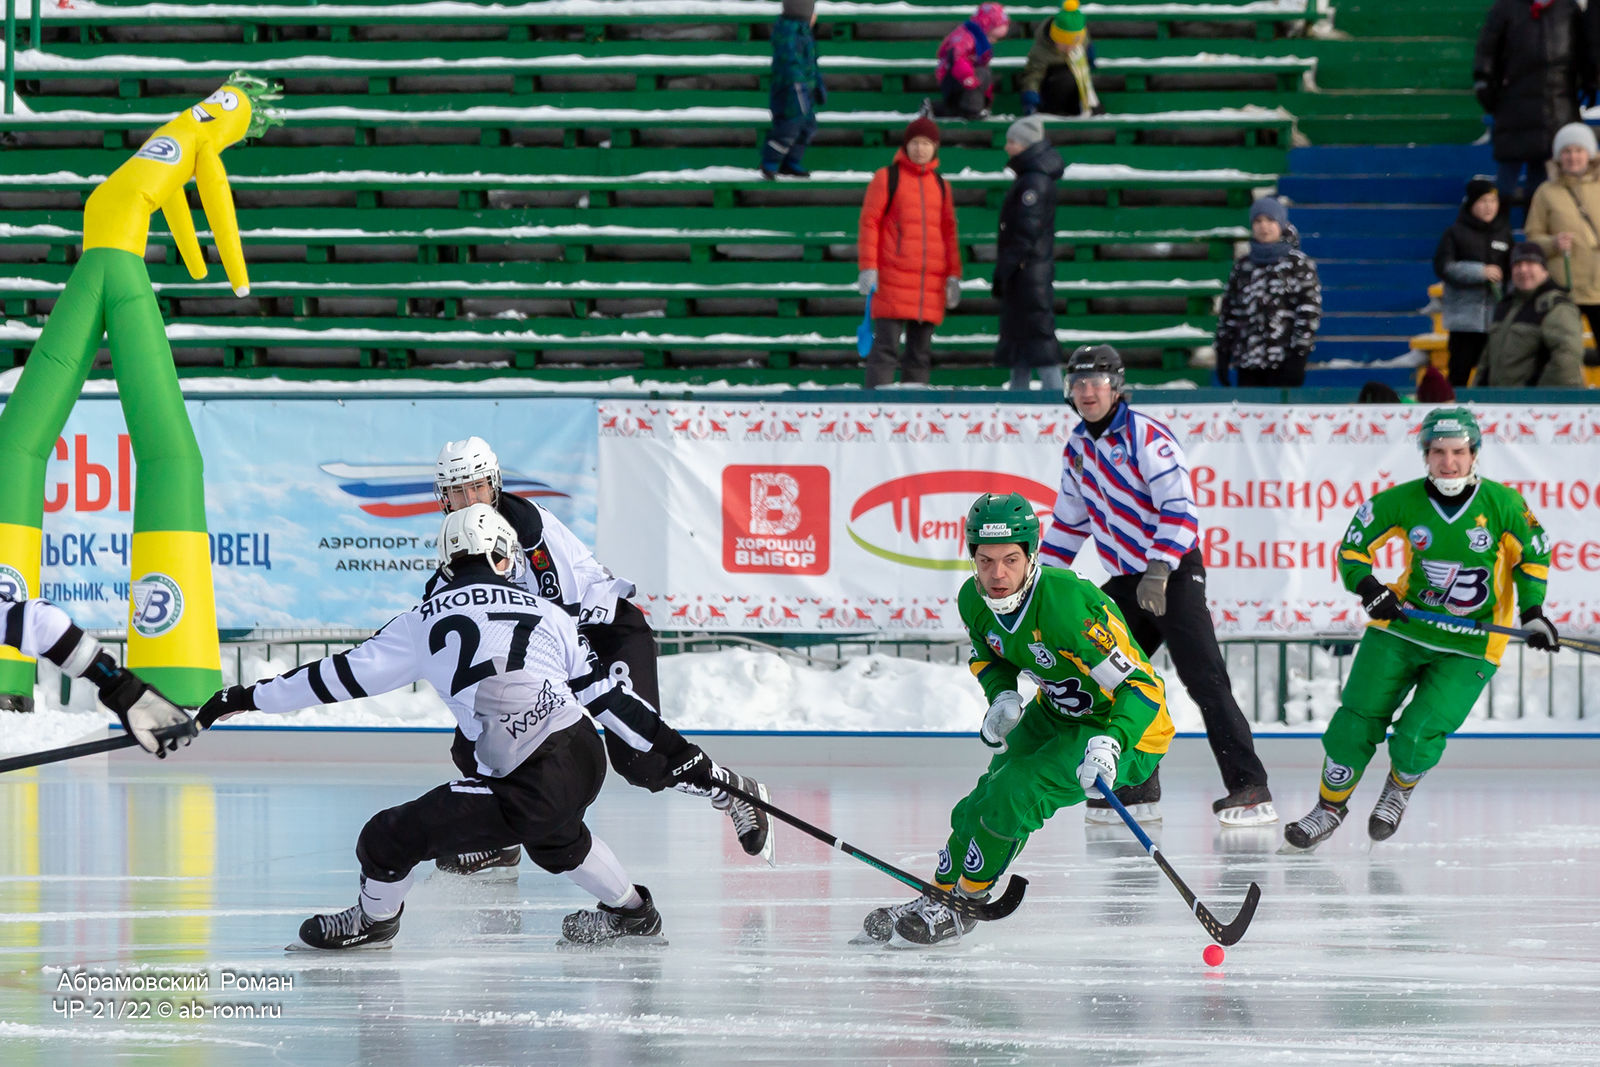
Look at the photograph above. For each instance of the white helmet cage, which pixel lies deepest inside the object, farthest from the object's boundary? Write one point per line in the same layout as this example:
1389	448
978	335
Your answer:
476	530
464	462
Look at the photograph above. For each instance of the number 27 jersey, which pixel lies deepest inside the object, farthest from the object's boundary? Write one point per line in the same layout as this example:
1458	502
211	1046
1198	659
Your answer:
503	659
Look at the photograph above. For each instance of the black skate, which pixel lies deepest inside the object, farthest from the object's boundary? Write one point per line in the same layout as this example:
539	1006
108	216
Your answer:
750	823
1390	809
607	925
1249	806
929	922
1313	828
878	926
16	702
350	928
498	863
1141	801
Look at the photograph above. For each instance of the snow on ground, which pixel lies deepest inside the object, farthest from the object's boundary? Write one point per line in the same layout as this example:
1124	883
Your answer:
747	690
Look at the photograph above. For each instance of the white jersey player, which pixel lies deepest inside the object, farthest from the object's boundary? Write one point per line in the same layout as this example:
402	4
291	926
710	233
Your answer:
39	629
514	671
558	566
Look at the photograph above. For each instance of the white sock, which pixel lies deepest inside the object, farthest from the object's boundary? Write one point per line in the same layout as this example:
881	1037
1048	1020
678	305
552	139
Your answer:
382	900
601	874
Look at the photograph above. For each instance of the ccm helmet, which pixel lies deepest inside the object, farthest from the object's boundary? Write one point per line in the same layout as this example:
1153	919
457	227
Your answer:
477	530
462	463
1451	424
1091	361
1004	520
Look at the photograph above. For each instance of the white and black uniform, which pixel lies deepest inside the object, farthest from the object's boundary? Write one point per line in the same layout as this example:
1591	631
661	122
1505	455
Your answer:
514	671
39	629
559	567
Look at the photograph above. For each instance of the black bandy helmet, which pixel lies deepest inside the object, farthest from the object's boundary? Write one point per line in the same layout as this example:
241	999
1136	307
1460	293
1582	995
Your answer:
1092	361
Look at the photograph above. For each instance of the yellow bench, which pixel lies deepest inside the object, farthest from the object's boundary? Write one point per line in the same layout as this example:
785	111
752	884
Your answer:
1435	344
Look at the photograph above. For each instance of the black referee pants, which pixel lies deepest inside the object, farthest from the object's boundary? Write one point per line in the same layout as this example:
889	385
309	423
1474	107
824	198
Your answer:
1199	663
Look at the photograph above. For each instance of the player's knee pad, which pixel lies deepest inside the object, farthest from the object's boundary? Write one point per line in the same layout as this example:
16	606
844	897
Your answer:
379	846
559	859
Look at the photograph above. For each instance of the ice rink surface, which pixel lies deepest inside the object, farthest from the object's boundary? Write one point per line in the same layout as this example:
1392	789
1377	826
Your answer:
1473	937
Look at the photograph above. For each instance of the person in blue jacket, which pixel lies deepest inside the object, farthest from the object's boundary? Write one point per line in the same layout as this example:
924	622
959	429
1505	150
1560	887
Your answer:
797	91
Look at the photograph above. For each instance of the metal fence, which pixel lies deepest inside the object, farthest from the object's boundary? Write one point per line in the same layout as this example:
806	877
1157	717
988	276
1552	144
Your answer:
1288	681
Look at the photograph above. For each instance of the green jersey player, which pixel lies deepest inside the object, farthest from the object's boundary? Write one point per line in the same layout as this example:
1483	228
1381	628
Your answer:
1468	543
1100	709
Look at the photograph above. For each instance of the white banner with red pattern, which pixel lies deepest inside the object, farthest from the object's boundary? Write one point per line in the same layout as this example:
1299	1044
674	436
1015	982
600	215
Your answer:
849	517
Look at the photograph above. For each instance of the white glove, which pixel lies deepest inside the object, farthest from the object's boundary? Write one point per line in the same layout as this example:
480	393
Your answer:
952	292
1099	758
867	282
152	712
1152	589
1001	718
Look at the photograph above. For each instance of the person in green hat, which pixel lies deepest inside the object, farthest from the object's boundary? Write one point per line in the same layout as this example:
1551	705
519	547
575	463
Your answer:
1468	542
1056	78
1100	710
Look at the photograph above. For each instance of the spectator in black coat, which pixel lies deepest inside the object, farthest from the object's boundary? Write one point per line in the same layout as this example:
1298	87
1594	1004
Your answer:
1474	261
1534	59
1025	266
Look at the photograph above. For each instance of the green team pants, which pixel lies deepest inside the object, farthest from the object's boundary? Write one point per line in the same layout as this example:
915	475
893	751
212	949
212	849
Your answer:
1386	668
1036	776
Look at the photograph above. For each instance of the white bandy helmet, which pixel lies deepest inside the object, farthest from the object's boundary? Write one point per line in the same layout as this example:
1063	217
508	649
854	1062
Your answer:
463	462
477	530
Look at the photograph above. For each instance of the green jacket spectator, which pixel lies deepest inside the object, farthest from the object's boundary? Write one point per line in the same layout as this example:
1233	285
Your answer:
1536	338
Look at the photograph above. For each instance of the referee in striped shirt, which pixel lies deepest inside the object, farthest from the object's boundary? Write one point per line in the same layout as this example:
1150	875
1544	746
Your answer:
1125	484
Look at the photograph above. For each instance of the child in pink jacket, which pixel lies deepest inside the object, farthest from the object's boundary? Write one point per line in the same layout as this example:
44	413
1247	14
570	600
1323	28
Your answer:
965	81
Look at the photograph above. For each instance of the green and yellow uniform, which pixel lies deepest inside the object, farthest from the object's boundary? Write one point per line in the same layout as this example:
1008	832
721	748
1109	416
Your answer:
1070	640
1467	562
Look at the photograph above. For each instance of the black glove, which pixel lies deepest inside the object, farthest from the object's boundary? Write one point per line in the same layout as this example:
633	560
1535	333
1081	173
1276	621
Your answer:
1487	97
1541	631
150	718
691	767
226	702
1378	599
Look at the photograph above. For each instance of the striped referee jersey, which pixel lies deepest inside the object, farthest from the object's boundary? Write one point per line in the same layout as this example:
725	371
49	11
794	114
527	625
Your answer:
1129	491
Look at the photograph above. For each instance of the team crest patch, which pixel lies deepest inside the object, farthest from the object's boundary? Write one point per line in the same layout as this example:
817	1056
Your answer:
1420	537
1099	636
1479	539
540	558
1075	462
1042	655
155	604
1118	454
974	861
945	866
160	149
992	639
13	586
1364	514
1029	197
1337	775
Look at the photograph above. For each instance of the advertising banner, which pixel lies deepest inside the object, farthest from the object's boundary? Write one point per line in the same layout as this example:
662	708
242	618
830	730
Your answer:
321	511
849	517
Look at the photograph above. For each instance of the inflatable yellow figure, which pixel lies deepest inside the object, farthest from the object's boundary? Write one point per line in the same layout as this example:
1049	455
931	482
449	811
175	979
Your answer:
172	628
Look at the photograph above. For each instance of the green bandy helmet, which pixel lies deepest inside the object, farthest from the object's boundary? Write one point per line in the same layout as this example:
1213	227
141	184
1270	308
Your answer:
1004	520
1451	424
1446	423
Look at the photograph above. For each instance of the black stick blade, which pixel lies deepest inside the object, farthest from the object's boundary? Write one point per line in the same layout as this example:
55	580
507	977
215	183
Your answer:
990	910
1230	934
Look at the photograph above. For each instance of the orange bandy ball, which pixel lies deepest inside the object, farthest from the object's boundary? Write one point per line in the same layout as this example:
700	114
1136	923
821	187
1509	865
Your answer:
1213	955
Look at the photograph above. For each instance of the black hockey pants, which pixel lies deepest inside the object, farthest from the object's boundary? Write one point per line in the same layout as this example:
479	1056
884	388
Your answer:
539	806
627	646
1199	662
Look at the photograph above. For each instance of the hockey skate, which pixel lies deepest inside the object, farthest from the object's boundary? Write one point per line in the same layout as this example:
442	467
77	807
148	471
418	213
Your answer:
878	926
1390	809
350	928
929	922
1142	802
495	864
1249	806
750	823
1309	831
606	925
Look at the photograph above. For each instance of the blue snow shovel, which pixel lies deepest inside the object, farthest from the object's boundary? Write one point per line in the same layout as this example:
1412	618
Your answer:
864	331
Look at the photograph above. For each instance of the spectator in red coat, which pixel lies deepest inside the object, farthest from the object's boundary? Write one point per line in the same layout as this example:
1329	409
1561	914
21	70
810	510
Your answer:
909	257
